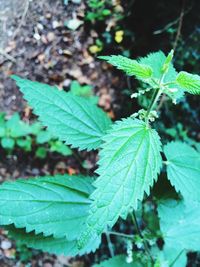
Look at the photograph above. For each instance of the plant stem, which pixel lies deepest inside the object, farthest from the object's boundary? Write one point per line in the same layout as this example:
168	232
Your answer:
110	245
120	234
155	98
146	248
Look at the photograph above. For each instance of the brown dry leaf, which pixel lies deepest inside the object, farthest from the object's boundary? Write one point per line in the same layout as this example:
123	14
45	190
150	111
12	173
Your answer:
111	114
78	75
71	171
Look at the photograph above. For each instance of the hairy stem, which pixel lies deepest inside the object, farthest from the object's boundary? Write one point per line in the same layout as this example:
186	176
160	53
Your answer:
146	247
120	234
110	245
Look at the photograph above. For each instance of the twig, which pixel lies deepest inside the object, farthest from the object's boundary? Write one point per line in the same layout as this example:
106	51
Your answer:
179	25
6	55
22	19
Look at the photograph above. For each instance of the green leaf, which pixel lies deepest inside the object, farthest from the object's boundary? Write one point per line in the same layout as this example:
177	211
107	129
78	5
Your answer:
50	205
129	66
189	82
179	222
175	256
41	152
156	61
183	169
71	118
25	143
84	91
16	127
50	244
129	164
2	124
8	143
59	147
119	261
43	137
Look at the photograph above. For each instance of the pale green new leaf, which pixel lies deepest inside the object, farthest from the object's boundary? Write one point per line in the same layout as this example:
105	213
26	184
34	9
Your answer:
183	169
50	205
189	82
129	66
72	119
156	61
50	244
179	222
119	261
129	163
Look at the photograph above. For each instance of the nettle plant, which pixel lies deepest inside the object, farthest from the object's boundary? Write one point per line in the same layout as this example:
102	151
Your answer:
68	214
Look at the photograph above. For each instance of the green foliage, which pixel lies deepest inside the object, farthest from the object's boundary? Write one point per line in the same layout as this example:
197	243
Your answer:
183	169
179	222
71	118
98	10
129	164
157	61
49	243
129	66
84	91
189	82
117	261
15	133
55	208
64	214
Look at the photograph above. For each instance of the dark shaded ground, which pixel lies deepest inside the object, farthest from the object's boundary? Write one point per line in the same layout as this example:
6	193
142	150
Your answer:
46	51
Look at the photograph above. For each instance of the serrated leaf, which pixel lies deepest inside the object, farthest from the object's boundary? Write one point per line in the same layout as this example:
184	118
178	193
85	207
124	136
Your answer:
179	222
183	169
156	61
70	118
175	257
189	82
129	164
129	66
50	244
50	205
119	260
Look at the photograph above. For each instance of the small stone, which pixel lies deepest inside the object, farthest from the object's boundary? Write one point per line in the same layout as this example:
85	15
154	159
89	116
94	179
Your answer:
50	36
6	244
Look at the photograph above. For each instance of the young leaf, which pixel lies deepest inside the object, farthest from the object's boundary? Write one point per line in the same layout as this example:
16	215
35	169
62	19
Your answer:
156	61
119	260
50	244
183	169
129	66
189	82
179	222
129	164
71	118
50	205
